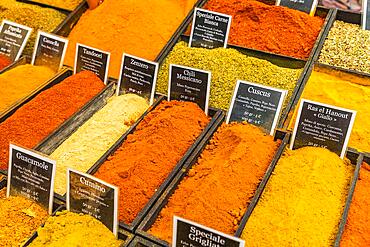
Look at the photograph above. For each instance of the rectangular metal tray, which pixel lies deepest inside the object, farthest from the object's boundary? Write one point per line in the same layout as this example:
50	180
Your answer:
151	217
141	242
44	5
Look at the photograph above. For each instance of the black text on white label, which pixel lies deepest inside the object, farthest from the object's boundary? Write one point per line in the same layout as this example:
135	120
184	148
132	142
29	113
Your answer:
256	104
13	39
31	175
210	29
138	76
49	51
307	6
322	125
89	195
187	233
366	14
91	59
189	84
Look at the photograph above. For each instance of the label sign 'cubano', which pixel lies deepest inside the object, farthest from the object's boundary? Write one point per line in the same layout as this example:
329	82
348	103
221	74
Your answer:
89	195
366	14
31	175
256	104
13	39
91	59
138	76
322	125
187	233
49	51
210	29
189	84
307	6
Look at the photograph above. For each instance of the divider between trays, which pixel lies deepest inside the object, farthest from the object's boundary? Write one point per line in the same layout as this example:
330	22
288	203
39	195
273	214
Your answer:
141	242
162	201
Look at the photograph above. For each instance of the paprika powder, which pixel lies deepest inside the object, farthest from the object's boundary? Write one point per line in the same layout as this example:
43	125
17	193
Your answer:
4	61
146	157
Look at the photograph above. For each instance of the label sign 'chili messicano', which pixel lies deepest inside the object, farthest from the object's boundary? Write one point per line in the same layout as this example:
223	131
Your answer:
322	125
138	76
210	29
256	104
49	51
88	58
189	84
366	14
31	175
89	195
13	39
187	233
307	6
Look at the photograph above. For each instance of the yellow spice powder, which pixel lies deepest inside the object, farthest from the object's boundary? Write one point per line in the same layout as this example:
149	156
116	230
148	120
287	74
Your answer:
303	201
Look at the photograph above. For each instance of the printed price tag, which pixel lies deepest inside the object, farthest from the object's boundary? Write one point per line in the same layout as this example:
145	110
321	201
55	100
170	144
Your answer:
256	104
307	6
31	175
366	14
49	51
187	233
13	39
189	84
88	58
210	29
138	76
89	195
322	125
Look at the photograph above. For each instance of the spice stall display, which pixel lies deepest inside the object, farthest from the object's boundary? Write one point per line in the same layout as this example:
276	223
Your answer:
357	231
19	218
303	201
72	229
229	169
140	28
148	155
36	17
269	28
89	142
64	4
35	120
227	66
4	61
21	81
335	87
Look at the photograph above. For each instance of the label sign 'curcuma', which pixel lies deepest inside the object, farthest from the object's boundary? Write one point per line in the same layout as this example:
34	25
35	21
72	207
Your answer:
91	59
307	6
322	125
256	104
189	84
31	175
138	76
188	233
13	39
49	51
210	29
366	14
89	195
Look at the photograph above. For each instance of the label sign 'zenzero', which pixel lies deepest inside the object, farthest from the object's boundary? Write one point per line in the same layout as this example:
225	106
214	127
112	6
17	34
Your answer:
210	29
89	195
91	59
322	125
307	6
31	175
366	14
13	39
256	104
187	233
189	84
138	76
49	51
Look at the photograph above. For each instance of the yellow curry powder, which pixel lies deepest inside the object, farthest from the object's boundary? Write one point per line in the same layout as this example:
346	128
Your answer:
303	201
343	90
19	82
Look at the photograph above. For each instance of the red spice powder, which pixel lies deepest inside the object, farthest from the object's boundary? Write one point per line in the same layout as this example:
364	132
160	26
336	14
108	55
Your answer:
34	121
148	155
4	61
269	28
357	231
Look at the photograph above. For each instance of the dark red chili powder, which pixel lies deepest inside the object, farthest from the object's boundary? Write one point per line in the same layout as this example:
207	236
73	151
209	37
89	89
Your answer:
4	61
269	28
34	121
